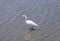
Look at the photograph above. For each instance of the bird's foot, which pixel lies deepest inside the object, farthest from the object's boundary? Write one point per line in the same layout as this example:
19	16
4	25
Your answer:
32	29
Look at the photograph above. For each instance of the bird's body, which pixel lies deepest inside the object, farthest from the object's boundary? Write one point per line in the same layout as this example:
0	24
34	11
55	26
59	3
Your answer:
30	22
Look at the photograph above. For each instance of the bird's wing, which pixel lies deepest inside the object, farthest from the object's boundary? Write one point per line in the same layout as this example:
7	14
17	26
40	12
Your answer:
31	22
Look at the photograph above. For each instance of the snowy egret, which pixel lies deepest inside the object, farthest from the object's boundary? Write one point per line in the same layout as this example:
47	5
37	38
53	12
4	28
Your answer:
32	23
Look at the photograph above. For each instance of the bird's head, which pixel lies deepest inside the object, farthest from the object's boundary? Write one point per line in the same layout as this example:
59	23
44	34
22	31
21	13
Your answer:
25	17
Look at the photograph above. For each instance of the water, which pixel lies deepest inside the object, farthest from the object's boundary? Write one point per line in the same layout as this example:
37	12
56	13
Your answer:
46	13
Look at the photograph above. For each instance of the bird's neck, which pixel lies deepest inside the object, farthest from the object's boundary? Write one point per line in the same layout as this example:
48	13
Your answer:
26	18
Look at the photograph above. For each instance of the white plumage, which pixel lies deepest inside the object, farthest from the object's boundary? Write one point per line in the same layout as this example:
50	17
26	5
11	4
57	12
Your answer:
29	21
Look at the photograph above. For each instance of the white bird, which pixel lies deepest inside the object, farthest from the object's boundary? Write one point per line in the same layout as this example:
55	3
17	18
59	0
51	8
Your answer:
30	22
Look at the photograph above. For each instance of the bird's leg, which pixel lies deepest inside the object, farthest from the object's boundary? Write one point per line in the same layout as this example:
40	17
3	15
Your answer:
32	27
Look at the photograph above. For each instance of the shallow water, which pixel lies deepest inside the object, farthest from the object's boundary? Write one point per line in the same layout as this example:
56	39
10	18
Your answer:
46	13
